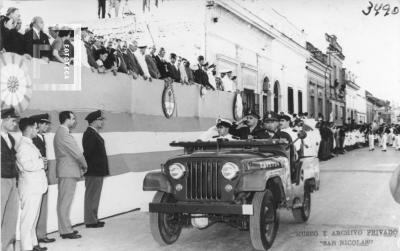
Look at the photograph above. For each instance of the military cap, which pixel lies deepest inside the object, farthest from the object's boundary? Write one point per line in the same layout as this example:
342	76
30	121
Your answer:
286	117
252	113
41	118
93	116
224	123
9	113
270	116
141	46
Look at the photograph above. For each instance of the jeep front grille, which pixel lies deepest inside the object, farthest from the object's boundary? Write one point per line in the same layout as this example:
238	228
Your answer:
203	180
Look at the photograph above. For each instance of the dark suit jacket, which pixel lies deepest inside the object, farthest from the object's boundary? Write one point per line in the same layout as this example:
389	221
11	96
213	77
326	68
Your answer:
151	64
90	56
14	42
161	66
8	159
201	77
40	144
135	64
173	72
95	153
32	39
244	132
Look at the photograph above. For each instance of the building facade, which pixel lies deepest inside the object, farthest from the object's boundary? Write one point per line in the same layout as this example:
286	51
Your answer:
335	103
356	103
318	72
261	47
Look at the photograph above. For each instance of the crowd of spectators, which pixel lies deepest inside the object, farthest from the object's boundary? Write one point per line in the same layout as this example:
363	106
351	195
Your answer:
104	55
338	139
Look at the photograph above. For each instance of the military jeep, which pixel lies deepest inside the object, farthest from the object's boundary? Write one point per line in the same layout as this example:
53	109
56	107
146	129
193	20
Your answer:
241	183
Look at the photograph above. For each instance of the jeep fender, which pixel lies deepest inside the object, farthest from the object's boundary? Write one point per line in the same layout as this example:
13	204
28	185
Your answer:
311	170
260	180
156	181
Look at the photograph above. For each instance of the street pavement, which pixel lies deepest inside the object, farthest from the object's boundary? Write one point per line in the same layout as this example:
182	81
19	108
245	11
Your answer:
353	210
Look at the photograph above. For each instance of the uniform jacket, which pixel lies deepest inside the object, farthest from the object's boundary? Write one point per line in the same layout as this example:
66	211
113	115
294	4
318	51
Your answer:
244	132
8	159
151	64
95	153
32	179
40	144
70	162
32	39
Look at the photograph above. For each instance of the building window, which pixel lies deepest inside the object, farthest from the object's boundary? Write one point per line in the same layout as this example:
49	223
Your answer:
312	106
277	93
249	100
320	106
290	100
300	102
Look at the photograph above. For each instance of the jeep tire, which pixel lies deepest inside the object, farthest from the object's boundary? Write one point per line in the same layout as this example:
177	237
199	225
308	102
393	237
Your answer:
264	222
302	213
164	227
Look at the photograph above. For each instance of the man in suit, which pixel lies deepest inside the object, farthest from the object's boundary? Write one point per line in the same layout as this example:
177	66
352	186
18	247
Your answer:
32	183
134	62
70	167
161	63
96	158
172	70
151	63
36	41
43	122
9	174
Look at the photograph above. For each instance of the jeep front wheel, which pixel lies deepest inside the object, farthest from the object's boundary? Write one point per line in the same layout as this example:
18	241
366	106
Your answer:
264	222
164	227
302	213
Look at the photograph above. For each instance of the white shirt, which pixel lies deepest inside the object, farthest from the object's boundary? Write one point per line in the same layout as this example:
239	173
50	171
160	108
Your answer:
36	31
32	179
84	58
7	139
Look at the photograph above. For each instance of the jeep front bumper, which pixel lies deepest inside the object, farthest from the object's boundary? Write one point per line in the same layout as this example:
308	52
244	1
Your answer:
201	208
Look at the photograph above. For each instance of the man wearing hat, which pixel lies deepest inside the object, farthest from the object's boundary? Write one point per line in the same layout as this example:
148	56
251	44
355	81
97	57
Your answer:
223	126
9	174
271	124
227	81
139	54
96	157
43	122
32	183
249	127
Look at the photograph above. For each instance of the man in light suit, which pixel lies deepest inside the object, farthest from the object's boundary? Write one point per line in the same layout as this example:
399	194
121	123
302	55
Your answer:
96	158
43	122
70	167
32	183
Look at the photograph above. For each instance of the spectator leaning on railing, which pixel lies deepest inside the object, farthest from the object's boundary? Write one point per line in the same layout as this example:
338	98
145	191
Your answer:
161	63
151	63
173	72
35	37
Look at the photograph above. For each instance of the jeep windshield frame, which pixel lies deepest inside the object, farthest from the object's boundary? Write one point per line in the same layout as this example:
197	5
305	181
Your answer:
276	146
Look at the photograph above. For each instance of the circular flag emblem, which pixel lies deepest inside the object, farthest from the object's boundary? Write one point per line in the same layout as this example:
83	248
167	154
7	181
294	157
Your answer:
16	84
238	107
168	101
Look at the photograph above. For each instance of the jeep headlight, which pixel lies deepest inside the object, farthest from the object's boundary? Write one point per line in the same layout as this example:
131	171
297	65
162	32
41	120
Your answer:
229	170
177	170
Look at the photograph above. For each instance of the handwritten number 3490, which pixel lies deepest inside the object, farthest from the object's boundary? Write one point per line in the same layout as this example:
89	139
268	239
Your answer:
377	8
